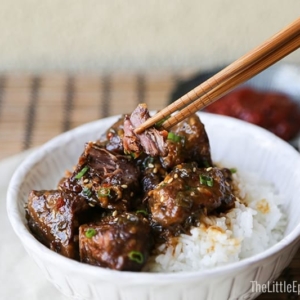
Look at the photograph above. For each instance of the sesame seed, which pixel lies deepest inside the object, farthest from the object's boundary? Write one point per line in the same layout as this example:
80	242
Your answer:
192	121
170	180
116	219
132	230
114	213
162	199
194	169
208	169
150	165
192	193
124	186
91	204
155	170
175	175
85	180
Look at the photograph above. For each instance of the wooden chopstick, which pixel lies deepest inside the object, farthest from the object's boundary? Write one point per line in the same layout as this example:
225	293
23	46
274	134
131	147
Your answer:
231	83
239	71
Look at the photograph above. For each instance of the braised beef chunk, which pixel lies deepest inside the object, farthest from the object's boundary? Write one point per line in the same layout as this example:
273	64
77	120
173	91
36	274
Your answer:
105	179
131	142
130	192
188	191
114	137
152	172
54	217
119	242
151	141
188	142
150	180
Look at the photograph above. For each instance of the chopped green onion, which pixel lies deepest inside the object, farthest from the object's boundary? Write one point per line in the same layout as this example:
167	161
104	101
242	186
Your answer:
87	192
206	164
233	170
136	256
160	122
202	179
206	180
82	172
210	181
104	192
142	211
174	137
133	155
187	188
147	161
90	233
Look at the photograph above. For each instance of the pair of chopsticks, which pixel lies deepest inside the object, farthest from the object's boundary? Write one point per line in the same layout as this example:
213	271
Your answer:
271	51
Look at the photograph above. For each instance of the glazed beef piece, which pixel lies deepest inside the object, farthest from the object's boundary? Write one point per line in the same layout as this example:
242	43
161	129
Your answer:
151	141
188	191
188	142
119	242
114	137
152	172
104	179
54	218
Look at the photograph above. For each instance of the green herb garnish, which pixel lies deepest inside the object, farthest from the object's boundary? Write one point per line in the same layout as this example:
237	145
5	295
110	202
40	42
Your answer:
136	256
142	211
147	161
82	172
206	180
174	137
133	155
233	170
90	233
87	192
206	164
160	122
210	181
104	192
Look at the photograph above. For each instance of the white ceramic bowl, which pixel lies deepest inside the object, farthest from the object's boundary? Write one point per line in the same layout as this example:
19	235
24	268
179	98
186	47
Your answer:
235	144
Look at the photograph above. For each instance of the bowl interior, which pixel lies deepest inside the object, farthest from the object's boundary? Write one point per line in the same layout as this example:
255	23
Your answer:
234	143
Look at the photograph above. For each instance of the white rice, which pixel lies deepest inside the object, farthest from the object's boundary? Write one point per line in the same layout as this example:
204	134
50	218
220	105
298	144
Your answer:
256	223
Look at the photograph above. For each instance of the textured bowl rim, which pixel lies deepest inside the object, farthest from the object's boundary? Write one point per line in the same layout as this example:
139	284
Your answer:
30	243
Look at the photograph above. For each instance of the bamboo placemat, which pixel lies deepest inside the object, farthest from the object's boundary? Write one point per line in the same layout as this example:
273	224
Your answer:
36	107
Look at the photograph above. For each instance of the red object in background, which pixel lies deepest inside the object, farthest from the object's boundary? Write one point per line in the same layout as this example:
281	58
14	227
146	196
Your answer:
271	110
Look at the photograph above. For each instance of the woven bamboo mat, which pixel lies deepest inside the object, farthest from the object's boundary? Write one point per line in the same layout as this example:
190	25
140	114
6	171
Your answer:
35	108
